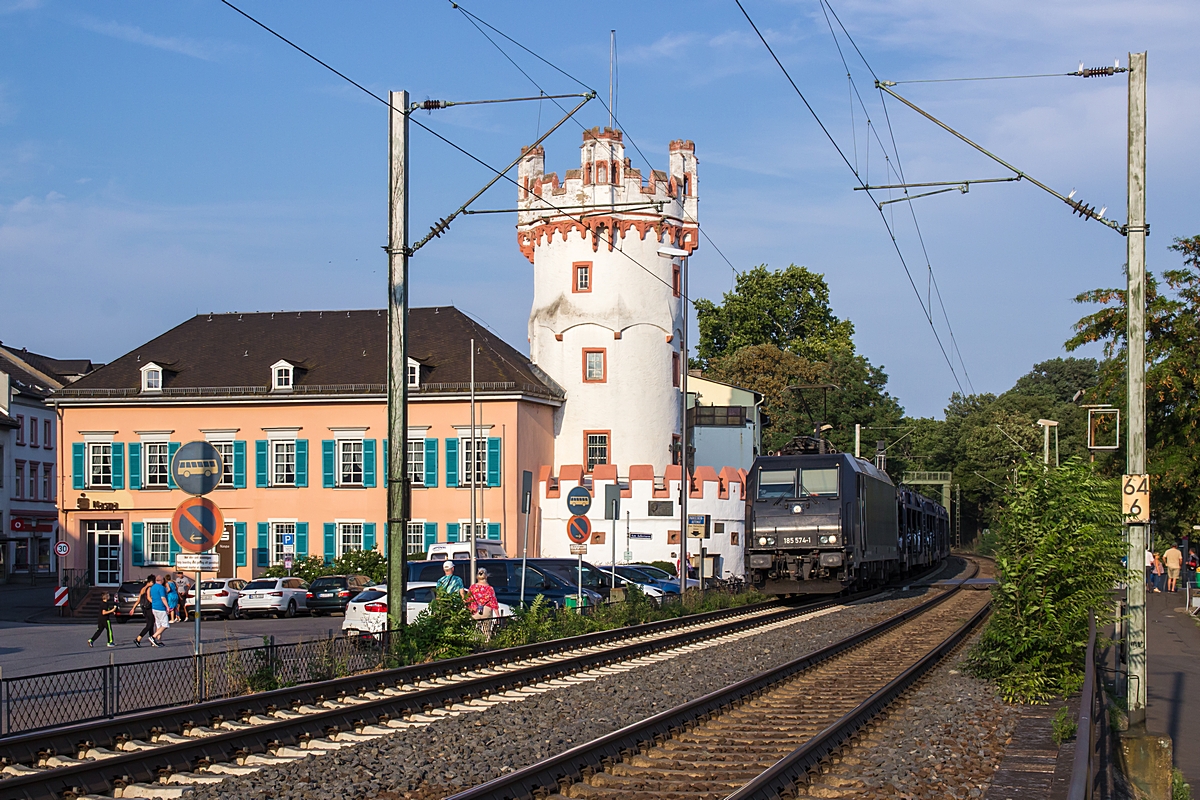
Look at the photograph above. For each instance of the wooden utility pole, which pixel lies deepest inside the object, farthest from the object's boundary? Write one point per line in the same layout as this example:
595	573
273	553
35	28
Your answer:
1135	594
397	407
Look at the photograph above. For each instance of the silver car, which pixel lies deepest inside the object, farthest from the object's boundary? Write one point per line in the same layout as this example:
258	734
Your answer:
282	597
220	596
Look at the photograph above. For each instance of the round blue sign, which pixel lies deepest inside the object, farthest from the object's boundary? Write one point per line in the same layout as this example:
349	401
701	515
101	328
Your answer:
579	500
197	467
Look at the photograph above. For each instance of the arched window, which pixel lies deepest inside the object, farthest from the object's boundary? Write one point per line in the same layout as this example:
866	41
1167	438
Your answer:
601	172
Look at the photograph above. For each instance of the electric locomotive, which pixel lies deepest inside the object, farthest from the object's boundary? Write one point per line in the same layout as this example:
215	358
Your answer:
826	522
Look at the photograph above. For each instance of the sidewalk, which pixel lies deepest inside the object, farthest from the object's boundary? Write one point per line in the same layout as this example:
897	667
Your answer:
20	602
1173	679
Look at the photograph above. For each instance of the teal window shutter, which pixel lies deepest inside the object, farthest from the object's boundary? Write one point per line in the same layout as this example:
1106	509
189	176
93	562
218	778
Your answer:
301	540
239	465
262	553
260	465
330	542
139	544
174	549
385	464
493	531
172	447
302	462
368	536
78	465
430	533
328	463
451	531
239	542
452	463
431	453
118	465
135	465
493	461
368	465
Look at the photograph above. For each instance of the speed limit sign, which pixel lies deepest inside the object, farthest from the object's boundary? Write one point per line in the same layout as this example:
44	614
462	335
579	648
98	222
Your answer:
62	549
1135	498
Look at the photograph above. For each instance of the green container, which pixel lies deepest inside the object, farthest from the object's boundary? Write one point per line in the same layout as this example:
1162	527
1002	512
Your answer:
572	602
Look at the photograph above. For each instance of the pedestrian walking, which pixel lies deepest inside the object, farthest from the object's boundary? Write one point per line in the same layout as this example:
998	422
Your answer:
172	597
185	592
1149	569
1158	572
482	603
1173	559
144	606
162	612
449	582
108	610
1193	564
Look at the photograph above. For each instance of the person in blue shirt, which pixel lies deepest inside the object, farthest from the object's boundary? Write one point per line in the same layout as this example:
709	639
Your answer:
158	602
172	598
449	582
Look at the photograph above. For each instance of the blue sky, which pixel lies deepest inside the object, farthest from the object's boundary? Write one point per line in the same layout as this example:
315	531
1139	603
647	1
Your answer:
160	159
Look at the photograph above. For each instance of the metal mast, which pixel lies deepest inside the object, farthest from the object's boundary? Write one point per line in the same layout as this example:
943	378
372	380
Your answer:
397	406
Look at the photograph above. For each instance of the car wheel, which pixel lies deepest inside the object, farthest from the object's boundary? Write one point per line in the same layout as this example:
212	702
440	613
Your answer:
291	609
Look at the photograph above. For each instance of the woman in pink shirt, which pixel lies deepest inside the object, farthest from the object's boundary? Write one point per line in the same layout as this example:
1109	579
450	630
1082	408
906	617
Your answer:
481	602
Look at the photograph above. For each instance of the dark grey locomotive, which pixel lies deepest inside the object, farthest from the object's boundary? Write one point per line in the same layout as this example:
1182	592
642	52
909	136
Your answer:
823	523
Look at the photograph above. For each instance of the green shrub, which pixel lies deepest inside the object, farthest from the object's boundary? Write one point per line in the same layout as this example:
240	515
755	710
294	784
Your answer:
665	566
371	563
1058	556
1063	726
443	630
307	568
1180	789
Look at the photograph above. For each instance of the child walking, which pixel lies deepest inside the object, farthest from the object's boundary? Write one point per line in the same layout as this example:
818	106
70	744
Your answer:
108	610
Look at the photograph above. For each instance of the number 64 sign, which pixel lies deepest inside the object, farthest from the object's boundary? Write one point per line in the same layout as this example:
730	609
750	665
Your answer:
1135	498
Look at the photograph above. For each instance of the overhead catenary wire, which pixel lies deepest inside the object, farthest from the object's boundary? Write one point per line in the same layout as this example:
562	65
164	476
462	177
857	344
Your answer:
850	166
606	235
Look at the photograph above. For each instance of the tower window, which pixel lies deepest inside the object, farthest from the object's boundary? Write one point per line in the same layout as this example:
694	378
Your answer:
595	366
596	447
583	276
675	369
601	172
675	287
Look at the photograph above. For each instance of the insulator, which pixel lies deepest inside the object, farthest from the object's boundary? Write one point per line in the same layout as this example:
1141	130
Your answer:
433	105
1099	72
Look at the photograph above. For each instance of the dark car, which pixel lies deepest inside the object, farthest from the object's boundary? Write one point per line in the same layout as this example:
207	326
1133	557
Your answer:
504	575
330	593
595	578
643	578
126	599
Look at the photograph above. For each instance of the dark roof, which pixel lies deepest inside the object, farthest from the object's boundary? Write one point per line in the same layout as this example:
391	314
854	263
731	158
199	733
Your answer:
25	377
64	369
333	351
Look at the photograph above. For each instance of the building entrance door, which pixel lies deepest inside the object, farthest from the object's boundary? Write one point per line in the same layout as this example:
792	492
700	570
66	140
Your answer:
105	537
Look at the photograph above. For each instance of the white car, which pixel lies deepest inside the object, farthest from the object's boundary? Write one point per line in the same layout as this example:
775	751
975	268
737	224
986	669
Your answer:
367	612
220	596
282	597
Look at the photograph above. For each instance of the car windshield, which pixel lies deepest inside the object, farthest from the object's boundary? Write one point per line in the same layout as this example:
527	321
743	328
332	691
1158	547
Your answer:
130	587
261	584
368	595
774	483
570	572
212	585
819	482
654	572
423	595
328	583
635	575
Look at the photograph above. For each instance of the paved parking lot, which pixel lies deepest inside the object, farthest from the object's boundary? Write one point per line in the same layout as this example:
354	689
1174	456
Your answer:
31	648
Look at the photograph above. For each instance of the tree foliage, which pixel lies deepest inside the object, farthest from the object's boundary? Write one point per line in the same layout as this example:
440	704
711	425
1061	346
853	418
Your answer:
371	563
1058	557
1172	383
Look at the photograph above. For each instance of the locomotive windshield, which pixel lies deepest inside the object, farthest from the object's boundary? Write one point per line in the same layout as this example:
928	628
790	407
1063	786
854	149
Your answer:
774	483
820	482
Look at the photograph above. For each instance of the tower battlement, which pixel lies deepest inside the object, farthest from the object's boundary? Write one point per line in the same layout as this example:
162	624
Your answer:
666	202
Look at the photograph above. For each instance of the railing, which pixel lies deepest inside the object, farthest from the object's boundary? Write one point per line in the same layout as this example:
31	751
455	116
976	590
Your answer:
1090	733
305	389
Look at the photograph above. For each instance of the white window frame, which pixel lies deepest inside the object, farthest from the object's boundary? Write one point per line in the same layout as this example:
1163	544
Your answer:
95	449
601	357
275	530
47	480
416	461
587	456
164	478
413	374
152	378
279	447
414	540
464	444
464	530
343	463
223	440
348	528
160	556
583	277
283	376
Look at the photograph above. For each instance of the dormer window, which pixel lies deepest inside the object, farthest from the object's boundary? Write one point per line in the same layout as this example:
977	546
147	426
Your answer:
282	374
152	376
414	374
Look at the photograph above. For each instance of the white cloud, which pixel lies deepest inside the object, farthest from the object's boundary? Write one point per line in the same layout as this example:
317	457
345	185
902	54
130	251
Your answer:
205	50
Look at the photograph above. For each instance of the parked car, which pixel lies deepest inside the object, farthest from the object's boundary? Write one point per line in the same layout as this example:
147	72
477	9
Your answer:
645	579
504	575
367	612
596	579
282	597
662	574
127	595
220	596
461	551
331	593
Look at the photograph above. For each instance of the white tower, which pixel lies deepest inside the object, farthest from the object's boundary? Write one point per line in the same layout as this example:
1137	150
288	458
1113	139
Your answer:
606	306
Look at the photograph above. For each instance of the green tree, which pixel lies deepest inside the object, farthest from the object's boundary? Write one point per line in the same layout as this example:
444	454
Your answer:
1059	554
1172	383
786	308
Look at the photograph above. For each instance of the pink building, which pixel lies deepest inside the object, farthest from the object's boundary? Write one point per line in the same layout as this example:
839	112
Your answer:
296	402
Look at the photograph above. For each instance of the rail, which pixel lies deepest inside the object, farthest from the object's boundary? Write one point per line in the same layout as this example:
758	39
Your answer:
1086	765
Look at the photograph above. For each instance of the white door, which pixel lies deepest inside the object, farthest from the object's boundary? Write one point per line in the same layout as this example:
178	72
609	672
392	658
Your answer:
107	536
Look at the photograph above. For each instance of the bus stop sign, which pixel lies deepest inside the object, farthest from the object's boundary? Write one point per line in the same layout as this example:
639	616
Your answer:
197	467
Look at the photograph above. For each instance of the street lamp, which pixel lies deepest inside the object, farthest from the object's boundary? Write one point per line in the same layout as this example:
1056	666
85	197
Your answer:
671	252
1047	424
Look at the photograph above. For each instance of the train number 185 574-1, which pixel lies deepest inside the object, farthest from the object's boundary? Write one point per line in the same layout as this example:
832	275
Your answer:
797	540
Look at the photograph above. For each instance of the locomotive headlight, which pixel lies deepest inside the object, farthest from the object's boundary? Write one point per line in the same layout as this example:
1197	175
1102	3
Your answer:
771	540
833	539
824	540
762	541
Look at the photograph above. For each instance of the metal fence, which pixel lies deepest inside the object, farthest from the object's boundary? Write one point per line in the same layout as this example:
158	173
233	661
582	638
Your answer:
47	700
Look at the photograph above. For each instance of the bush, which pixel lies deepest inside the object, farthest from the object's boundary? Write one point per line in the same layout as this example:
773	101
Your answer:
665	566
307	568
1058	556
1063	726
371	563
443	630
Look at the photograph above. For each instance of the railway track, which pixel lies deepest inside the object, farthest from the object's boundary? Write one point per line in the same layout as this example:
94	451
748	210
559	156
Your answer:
757	739
161	753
